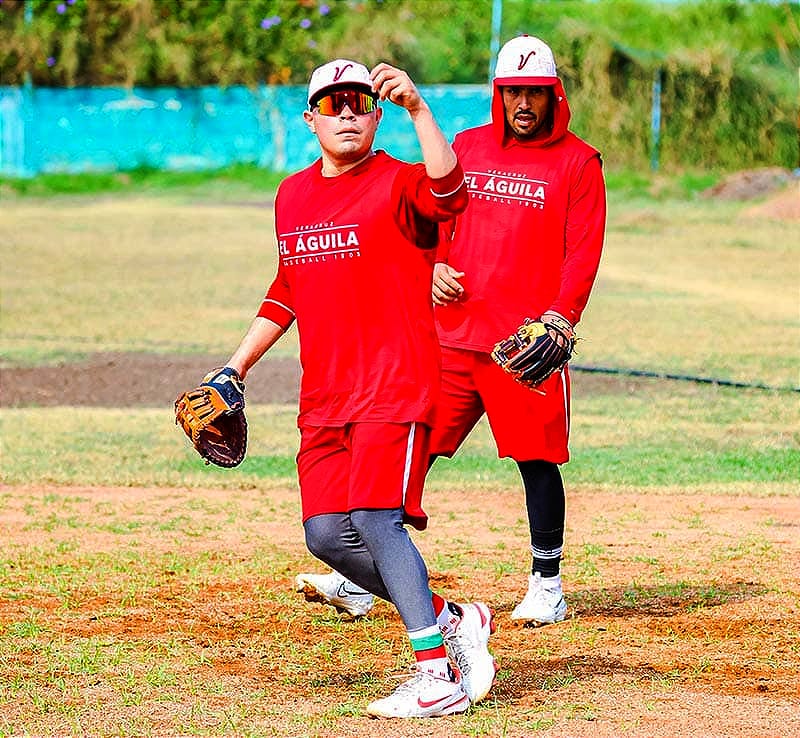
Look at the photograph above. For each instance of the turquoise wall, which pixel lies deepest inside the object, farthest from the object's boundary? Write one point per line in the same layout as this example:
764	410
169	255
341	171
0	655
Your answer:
45	130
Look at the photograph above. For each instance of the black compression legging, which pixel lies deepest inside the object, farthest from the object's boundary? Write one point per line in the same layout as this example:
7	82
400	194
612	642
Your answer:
545	502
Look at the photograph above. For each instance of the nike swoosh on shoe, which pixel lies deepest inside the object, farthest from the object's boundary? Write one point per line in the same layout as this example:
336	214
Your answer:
425	705
344	592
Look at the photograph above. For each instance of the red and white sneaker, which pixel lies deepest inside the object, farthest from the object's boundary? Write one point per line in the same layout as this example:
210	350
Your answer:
467	641
423	695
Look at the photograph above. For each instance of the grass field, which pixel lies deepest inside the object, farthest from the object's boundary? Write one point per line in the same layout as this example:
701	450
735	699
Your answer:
142	593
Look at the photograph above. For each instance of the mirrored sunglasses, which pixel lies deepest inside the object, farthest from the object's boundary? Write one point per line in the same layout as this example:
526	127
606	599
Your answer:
333	103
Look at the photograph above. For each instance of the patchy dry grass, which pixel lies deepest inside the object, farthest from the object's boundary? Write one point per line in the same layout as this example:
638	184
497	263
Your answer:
143	611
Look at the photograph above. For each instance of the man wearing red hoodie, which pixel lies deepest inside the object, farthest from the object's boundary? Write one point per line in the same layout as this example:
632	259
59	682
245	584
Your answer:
528	245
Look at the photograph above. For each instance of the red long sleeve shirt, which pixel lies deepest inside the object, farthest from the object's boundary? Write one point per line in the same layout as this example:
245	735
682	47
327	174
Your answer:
532	236
356	260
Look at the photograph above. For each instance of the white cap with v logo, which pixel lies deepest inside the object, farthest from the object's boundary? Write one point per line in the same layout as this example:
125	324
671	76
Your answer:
338	73
525	60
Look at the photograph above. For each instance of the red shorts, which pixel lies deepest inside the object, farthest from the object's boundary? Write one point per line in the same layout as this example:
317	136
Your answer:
364	466
526	424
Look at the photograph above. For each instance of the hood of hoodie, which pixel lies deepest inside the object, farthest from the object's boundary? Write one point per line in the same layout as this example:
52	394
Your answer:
527	61
561	116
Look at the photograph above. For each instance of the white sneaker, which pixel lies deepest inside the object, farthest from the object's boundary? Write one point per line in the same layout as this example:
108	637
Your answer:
424	695
467	643
334	589
544	603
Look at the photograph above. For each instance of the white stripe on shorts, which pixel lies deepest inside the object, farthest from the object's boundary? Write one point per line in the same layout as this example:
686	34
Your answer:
566	399
409	457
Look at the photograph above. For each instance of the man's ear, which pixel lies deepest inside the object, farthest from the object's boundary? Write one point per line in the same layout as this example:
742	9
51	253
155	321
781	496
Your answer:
308	117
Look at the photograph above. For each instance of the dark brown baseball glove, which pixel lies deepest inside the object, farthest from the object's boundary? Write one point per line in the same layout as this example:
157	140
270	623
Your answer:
536	350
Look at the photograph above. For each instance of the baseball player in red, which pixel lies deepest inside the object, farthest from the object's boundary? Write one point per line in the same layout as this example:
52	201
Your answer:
528	245
371	363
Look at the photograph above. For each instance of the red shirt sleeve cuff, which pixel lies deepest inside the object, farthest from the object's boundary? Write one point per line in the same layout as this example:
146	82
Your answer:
276	312
450	183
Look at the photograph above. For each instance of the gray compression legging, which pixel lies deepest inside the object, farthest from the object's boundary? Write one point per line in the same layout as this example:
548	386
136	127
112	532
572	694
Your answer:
372	548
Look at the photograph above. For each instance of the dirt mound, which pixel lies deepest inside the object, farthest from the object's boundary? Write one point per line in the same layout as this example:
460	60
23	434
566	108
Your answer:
776	188
750	184
783	206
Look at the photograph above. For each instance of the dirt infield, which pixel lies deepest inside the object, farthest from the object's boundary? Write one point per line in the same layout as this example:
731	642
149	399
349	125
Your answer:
684	621
155	380
684	614
137	380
